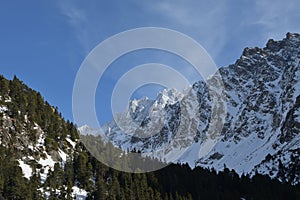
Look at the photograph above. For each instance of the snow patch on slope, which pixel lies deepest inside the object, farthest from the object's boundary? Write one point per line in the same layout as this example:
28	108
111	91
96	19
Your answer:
63	155
71	142
79	193
26	169
48	164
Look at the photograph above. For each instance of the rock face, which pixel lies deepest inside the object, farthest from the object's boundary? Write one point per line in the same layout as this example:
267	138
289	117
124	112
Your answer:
251	125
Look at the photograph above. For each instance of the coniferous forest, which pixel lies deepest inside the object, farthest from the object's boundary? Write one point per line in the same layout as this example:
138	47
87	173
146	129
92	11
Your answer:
26	110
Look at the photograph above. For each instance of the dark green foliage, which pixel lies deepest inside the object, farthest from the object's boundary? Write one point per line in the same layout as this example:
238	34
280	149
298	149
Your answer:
27	102
15	184
173	182
206	184
4	86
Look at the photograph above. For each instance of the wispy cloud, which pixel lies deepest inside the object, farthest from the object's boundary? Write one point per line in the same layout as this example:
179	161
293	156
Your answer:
201	20
78	20
222	27
74	15
278	17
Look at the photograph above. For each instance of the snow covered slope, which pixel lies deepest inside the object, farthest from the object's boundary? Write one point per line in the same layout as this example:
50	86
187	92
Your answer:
260	118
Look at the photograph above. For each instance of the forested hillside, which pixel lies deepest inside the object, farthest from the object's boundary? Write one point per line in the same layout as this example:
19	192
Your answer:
41	157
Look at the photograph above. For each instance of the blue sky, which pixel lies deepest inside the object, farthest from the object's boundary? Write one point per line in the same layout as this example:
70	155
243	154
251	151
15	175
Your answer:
44	42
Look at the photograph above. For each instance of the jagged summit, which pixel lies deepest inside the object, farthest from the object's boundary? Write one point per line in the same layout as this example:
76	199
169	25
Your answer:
260	90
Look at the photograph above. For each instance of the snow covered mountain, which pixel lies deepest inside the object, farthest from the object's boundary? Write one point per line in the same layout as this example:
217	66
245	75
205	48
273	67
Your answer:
253	127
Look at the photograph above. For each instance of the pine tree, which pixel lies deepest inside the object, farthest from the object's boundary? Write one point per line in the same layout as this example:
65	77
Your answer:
4	87
15	187
100	192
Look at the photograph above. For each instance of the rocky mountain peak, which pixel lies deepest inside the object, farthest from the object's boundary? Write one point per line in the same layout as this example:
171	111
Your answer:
261	113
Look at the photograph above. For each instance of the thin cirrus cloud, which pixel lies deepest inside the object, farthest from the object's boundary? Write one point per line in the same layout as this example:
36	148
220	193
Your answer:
226	27
78	20
279	16
220	26
223	27
203	21
87	26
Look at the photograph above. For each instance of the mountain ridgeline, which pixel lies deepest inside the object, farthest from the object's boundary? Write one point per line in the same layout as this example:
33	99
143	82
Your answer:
260	95
42	155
